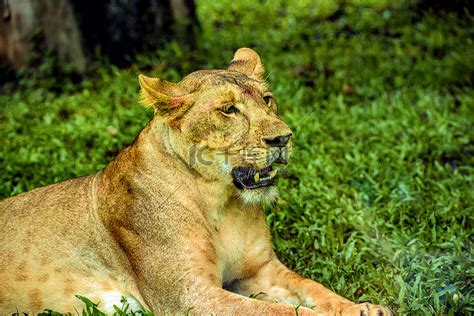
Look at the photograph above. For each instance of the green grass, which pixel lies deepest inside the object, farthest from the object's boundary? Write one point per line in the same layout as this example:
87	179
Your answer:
377	202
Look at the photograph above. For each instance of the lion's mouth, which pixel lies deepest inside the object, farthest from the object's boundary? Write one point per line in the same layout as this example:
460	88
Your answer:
251	178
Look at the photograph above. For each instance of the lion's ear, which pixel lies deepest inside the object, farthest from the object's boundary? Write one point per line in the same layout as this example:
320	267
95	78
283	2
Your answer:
165	97
155	92
169	100
247	61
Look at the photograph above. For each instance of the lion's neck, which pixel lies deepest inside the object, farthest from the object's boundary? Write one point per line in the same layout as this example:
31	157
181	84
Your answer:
150	170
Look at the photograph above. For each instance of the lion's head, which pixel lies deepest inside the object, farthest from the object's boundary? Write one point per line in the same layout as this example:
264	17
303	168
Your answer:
224	124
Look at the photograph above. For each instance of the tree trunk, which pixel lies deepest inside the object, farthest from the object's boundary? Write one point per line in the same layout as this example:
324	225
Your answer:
74	29
28	23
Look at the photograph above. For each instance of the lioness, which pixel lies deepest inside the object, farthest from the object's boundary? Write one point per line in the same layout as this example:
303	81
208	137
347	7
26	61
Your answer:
174	223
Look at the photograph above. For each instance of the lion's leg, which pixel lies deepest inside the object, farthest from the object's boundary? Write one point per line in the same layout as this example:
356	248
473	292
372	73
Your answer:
218	301
275	282
192	284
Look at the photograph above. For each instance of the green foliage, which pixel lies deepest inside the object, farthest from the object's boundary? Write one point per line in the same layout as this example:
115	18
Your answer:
377	201
92	309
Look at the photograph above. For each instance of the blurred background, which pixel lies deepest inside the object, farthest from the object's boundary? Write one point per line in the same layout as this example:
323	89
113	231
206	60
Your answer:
377	202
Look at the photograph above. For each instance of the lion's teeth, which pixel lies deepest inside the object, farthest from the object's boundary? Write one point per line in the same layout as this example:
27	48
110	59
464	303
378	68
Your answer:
257	177
273	173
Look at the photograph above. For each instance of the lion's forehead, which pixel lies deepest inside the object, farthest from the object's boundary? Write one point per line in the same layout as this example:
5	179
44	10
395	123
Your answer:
220	79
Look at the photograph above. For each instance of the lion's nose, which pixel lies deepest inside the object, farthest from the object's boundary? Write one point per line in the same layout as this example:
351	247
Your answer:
279	141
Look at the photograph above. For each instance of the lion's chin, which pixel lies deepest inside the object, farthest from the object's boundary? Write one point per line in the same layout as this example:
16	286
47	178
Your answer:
264	195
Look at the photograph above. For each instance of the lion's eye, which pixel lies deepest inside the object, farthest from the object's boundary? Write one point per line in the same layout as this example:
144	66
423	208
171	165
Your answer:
229	109
267	99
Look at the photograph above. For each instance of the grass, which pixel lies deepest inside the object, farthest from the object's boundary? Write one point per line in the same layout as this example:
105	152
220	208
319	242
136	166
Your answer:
377	202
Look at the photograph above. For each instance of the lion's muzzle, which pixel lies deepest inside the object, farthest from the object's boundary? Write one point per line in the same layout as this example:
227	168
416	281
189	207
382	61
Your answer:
279	147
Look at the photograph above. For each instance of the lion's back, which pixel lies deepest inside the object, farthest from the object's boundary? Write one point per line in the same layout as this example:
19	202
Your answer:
40	231
45	206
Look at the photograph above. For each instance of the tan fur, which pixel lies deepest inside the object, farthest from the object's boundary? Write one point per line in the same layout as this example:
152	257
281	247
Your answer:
163	224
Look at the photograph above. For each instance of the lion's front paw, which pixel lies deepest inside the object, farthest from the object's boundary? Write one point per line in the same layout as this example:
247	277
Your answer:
366	310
